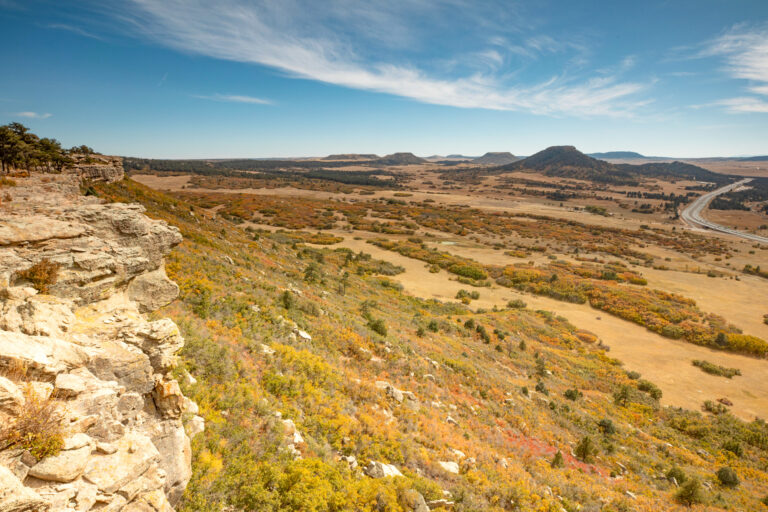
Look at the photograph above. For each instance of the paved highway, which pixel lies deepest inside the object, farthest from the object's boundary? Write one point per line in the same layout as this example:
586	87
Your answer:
692	213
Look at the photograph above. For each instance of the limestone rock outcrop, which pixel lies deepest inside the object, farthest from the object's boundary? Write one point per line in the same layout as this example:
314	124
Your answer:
99	167
85	350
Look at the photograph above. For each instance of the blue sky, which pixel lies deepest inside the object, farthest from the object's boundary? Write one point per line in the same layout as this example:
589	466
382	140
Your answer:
266	78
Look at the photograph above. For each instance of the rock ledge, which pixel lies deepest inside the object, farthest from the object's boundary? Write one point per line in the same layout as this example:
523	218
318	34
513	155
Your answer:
86	347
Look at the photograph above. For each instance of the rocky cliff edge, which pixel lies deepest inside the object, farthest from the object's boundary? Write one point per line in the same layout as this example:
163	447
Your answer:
75	345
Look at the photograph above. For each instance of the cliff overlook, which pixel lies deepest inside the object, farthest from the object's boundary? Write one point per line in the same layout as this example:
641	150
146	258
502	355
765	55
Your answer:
91	417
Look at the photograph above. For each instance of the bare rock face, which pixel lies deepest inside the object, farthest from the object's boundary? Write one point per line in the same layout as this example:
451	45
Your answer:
99	167
85	346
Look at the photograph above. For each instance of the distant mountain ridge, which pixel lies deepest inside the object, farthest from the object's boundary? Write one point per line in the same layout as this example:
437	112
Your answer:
352	156
496	158
616	155
569	162
400	159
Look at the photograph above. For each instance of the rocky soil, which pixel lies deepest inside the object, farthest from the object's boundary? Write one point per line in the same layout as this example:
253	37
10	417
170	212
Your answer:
85	349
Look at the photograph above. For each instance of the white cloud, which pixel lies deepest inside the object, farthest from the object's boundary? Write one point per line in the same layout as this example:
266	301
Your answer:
280	35
744	105
74	30
33	115
745	50
233	98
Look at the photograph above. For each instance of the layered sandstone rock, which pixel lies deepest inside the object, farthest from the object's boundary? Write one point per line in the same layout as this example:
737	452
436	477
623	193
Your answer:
99	167
85	347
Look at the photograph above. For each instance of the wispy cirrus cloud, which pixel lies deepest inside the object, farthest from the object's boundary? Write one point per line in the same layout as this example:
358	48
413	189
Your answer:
309	42
32	115
745	51
74	29
233	98
744	104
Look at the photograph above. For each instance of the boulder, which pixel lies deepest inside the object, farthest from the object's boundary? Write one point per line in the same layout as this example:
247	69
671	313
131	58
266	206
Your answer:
43	356
11	397
449	466
14	497
152	290
134	455
413	500
69	385
376	469
127	365
168	398
160	340
64	467
195	425
76	441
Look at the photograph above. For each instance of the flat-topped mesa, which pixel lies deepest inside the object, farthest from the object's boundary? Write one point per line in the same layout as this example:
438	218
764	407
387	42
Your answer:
76	277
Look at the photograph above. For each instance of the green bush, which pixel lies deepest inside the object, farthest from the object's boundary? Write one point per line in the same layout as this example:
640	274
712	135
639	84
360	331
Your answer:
649	387
466	270
690	493
516	304
716	369
573	394
606	426
378	326
727	477
586	449
734	447
678	474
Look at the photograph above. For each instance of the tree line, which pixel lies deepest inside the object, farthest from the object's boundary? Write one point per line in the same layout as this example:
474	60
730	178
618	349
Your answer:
22	149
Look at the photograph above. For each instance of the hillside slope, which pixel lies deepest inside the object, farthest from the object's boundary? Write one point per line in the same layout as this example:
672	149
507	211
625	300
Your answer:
496	158
318	378
569	162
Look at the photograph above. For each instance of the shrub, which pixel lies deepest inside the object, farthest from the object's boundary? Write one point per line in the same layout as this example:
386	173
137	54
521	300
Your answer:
37	428
716	369
650	388
586	449
734	447
714	407
433	326
287	300
483	333
573	394
690	493
41	275
606	426
727	477
420	332
378	326
557	461
464	295
466	270
678	474
633	375
312	272
541	388
622	396
516	304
